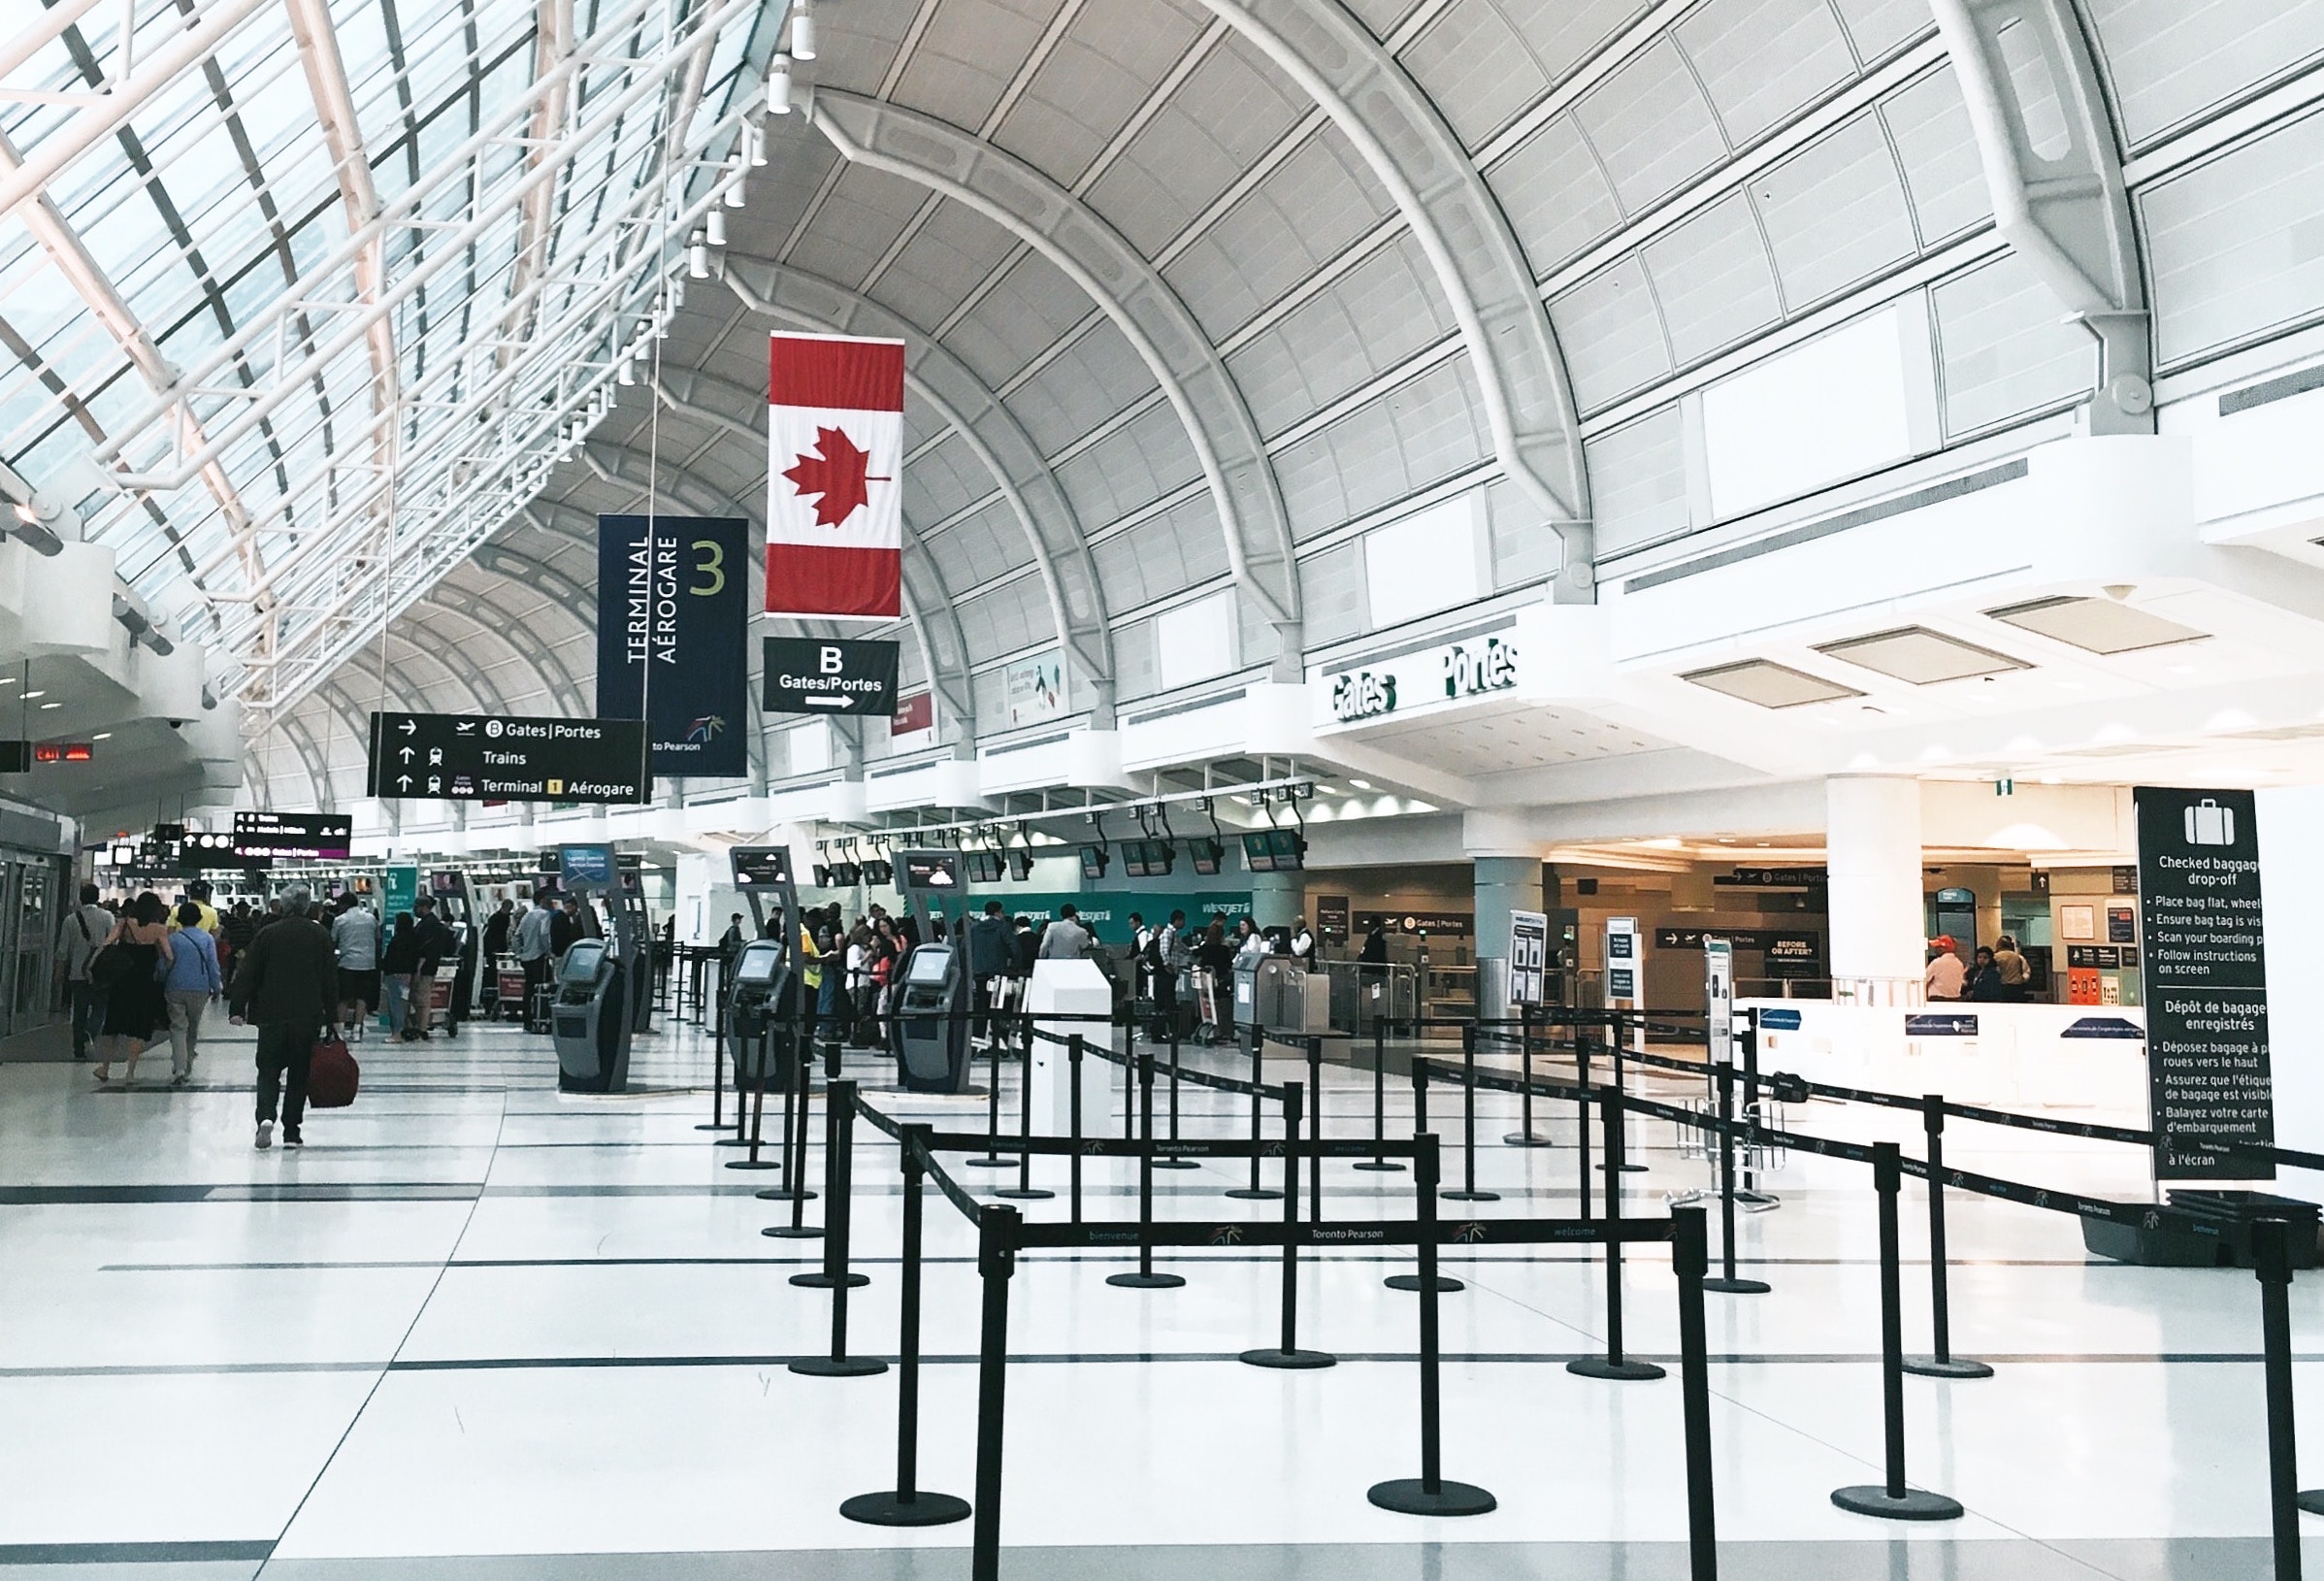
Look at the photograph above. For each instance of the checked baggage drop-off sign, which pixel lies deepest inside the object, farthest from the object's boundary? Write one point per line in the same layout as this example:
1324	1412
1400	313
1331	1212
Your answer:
503	758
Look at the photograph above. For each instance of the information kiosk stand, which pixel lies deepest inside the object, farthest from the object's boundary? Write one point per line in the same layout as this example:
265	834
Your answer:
762	1001
589	1024
457	908
932	1008
634	938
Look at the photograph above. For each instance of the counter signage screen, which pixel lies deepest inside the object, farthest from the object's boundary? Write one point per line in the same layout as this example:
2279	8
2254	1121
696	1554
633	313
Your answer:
585	864
2203	970
314	837
760	867
931	871
1259	853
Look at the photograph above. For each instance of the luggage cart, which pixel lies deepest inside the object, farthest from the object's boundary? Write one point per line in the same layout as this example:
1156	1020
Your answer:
507	989
1214	1024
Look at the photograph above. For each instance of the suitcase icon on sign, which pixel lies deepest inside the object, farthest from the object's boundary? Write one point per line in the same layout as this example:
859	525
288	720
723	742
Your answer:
2210	824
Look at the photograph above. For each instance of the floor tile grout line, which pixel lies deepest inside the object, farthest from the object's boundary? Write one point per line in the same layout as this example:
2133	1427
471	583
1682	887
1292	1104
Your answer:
373	1393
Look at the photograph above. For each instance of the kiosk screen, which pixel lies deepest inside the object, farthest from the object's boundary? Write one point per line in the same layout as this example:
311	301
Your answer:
928	964
579	965
756	968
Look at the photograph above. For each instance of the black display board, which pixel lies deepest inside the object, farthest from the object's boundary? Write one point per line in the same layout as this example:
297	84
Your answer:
316	837
476	757
760	867
804	675
2204	969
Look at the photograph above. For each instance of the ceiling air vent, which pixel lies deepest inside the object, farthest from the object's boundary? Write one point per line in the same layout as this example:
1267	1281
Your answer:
2095	625
1921	656
1770	685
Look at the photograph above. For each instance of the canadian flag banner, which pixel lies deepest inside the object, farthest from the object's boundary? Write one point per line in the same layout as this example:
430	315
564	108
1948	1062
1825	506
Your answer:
835	499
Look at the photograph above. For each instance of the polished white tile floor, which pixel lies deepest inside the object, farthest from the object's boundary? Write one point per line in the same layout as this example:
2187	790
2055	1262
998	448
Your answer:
477	1328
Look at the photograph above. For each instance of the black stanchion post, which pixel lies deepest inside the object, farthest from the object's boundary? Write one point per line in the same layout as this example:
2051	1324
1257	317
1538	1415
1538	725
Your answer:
1751	1196
1288	1354
1941	1363
1524	1136
992	1159
1074	1052
838	1175
1024	1189
1468	1192
1614	1363
1893	1500
1379	1160
1145	1278
1315	1132
996	1261
1621	1089
1444	1283
1582	1113
2271	1263
906	1504
1174	1162
1689	1259
717	1121
794	1152
1728	1282
758	1106
839	1172
1429	1494
1254	1192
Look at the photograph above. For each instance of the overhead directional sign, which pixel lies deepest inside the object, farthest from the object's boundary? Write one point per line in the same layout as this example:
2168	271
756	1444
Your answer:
476	757
261	837
804	675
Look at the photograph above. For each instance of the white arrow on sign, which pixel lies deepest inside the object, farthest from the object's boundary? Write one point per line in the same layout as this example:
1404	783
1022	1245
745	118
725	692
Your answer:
407	754
402	781
407	726
824	702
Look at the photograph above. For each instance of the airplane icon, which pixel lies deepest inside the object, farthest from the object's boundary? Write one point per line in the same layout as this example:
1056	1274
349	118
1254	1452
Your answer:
465	727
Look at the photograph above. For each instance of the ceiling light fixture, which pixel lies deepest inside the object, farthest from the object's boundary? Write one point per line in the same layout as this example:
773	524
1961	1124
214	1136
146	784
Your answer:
697	255
628	373
1921	656
2102	626
754	143
45	706
715	226
778	85
803	29
735	197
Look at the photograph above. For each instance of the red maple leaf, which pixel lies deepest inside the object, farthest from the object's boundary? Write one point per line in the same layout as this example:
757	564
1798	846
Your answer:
834	471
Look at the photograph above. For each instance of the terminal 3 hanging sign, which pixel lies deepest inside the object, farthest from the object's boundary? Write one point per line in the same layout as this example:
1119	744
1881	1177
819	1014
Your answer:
670	614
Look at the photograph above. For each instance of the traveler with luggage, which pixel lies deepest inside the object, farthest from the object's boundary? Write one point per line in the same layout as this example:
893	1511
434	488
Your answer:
288	984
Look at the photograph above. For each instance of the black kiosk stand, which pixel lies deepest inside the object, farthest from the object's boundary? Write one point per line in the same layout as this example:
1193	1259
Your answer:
589	1020
762	1003
932	1008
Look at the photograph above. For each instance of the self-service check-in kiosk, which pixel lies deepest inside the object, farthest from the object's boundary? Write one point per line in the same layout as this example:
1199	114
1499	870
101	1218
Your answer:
762	999
589	1021
634	938
931	1007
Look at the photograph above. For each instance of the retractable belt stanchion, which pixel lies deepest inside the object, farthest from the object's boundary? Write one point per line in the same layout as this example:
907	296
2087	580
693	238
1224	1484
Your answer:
1429	1494
1728	1282
838	1173
1315	1130
758	1106
717	1121
1582	1113
794	1155
1524	1136
1024	1189
1444	1283
906	1504
2272	1264
1894	1499
1614	1363
1254	1192
1941	1363
1468	1192
1173	1163
1378	1160
1622	1089
995	1262
1146	1278
992	1159
1689	1259
1073	1051
1288	1354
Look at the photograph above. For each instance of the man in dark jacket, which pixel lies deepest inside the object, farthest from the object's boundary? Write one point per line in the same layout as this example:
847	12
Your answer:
288	983
434	943
990	956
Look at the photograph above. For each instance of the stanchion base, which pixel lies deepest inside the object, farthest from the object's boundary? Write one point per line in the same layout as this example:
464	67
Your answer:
1928	1366
1176	1163
1253	1194
787	1231
1409	1496
1469	1195
839	1366
1597	1367
1290	1360
1145	1281
2311	1501
1627	1168
1525	1139
1026	1194
1382	1166
713	1125
995	1162
1738	1287
778	1194
1915	1506
1446	1284
731	1141
922	1509
754	1164
820	1280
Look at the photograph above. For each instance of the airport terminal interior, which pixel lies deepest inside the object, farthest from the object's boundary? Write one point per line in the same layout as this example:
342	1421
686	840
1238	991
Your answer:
1177	790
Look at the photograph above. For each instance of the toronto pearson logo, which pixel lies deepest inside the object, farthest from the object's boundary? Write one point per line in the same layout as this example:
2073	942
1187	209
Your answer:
701	732
836	473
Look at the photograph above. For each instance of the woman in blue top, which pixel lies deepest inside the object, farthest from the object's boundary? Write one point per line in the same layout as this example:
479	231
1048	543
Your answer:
192	980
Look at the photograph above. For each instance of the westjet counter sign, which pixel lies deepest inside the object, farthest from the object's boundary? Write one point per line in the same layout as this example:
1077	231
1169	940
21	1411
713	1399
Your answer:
671	644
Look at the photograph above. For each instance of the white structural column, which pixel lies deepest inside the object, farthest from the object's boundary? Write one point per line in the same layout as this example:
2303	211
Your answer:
1872	837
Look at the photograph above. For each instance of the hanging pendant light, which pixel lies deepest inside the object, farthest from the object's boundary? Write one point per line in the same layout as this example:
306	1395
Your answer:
778	85
754	143
803	29
715	226
697	255
628	373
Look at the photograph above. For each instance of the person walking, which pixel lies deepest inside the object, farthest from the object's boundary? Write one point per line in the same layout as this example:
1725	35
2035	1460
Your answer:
355	934
532	949
87	926
288	984
432	943
138	953
192	983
